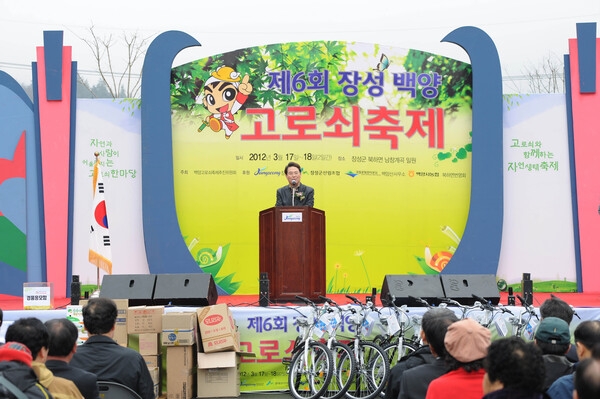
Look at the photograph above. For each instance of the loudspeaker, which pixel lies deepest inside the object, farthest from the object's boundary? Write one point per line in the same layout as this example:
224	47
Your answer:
527	289
263	293
196	289
75	290
462	287
407	288
138	288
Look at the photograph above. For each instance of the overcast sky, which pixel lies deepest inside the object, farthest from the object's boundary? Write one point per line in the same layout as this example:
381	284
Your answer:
525	31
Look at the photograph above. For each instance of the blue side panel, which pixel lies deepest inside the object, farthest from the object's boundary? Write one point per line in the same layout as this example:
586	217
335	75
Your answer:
53	46
586	49
572	168
72	139
39	181
165	248
479	249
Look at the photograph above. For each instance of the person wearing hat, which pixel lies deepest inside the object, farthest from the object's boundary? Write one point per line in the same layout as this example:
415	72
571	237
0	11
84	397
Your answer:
554	339
556	307
31	332
466	344
16	374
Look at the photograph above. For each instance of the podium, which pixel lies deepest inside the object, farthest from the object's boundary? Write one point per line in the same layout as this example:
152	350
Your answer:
292	252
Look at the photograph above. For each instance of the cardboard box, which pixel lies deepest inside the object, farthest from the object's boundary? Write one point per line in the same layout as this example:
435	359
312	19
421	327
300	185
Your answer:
179	328
144	319
218	331
149	344
218	375
74	313
156	380
153	361
121	324
181	375
181	387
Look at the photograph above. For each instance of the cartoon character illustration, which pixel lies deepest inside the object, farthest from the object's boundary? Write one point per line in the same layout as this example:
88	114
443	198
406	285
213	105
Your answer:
224	94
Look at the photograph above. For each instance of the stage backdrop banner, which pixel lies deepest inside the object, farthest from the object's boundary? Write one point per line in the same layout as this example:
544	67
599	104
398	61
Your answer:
382	134
388	210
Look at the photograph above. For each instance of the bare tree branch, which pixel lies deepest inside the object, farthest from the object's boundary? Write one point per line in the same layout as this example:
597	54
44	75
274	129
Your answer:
123	82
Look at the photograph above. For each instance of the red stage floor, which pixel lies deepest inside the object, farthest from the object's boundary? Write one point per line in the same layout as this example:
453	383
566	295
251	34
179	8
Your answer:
582	300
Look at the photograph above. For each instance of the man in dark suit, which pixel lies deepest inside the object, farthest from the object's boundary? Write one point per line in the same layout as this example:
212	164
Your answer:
415	381
61	347
295	193
101	354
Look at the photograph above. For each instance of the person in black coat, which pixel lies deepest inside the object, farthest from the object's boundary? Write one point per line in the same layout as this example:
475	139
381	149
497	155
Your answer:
414	382
62	345
421	356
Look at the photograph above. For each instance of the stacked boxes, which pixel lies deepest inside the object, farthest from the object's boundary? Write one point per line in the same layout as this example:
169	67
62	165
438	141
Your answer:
219	357
181	376
218	374
179	329
217	329
146	322
179	334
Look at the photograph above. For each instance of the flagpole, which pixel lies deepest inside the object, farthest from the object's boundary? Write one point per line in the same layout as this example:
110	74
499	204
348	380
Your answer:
97	154
99	252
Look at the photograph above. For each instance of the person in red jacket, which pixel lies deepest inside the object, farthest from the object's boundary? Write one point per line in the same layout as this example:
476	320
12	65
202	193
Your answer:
466	344
16	375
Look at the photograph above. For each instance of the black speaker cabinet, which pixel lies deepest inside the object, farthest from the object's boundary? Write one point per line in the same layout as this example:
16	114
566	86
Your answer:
196	289
138	288
406	288
527	289
462	287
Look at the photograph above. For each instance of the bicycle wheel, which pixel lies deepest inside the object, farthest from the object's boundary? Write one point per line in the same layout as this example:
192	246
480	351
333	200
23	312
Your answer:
343	371
391	350
372	372
311	371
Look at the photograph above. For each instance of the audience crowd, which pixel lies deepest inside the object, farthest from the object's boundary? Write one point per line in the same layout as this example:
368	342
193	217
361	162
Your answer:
459	358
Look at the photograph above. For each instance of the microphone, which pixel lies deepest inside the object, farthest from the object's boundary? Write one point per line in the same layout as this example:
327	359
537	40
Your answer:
293	192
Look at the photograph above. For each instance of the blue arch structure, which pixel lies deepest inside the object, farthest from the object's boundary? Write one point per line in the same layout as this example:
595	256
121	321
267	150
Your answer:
479	249
165	248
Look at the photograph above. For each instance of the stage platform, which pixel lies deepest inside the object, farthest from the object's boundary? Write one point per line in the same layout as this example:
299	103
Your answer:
270	331
576	299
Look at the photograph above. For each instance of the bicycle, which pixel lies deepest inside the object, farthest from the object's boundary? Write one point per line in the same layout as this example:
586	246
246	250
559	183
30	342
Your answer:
395	342
372	365
525	327
311	366
343	359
